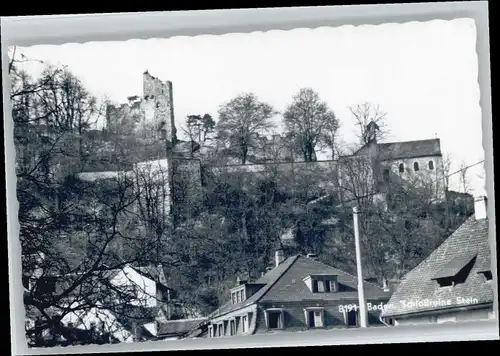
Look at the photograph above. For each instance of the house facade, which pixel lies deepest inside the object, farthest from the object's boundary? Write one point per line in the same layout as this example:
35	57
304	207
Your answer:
454	283
147	300
299	293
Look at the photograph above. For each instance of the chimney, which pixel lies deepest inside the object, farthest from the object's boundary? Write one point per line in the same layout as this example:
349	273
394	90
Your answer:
312	256
481	208
279	257
385	285
161	274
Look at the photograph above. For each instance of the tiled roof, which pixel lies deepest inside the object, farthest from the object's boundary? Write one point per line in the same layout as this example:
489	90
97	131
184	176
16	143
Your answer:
409	149
178	327
291	287
285	283
455	265
153	272
469	240
268	279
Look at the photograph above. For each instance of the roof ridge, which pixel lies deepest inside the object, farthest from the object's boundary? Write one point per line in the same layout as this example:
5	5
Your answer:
266	289
350	275
183	320
270	285
396	142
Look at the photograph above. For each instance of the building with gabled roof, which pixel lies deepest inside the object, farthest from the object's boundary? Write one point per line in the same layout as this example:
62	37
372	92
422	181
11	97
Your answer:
454	283
299	293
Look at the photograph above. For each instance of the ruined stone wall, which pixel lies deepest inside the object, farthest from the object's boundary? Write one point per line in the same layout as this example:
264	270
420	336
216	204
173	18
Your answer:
150	117
158	100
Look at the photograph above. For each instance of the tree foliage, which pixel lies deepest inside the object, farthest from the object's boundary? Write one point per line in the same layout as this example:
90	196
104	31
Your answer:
240	121
310	122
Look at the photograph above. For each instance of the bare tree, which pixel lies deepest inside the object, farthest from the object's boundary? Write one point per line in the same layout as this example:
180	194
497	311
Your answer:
446	171
199	128
310	122
240	120
464	177
83	230
365	113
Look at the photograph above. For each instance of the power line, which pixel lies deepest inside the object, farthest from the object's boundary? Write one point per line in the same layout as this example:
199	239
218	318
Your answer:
464	168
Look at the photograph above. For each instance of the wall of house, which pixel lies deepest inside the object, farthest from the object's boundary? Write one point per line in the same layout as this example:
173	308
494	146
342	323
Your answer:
424	175
295	318
146	288
441	317
103	320
251	312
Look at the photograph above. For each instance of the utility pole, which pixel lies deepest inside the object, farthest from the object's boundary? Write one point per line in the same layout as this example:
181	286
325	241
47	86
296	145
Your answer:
363	317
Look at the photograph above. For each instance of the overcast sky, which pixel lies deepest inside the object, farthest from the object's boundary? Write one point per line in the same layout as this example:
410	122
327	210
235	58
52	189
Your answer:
424	75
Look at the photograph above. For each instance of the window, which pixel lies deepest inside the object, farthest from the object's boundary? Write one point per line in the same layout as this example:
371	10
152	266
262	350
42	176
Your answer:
232	327
415	166
431	165
401	168
163	134
238	299
487	275
321	286
324	286
210	331
244	321
233	296
315	318
387	175
332	286
315	286
275	319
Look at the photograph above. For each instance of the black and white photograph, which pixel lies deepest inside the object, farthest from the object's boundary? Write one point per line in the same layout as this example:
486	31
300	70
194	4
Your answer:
279	183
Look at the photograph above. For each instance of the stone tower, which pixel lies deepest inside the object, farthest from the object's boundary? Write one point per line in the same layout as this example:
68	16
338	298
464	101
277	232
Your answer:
158	108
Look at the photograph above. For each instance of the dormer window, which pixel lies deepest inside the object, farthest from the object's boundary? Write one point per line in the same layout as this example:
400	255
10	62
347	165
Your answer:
401	168
431	165
456	271
244	290
238	295
322	283
415	166
487	275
